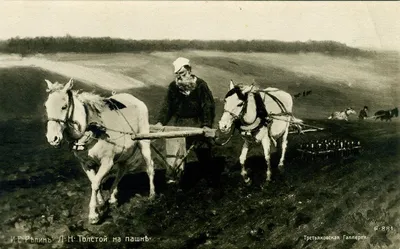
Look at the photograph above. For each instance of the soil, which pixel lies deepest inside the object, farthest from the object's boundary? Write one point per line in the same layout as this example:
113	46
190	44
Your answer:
337	202
45	195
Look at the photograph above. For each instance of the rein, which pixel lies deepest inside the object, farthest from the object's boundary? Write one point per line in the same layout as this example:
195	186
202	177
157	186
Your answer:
227	140
235	116
280	104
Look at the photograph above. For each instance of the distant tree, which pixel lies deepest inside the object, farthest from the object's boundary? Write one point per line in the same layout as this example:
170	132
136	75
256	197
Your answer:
69	43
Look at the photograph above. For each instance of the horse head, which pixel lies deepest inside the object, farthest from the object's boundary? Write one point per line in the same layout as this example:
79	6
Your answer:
234	105
395	112
59	109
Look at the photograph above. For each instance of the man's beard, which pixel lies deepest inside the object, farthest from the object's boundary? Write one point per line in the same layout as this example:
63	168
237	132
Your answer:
186	85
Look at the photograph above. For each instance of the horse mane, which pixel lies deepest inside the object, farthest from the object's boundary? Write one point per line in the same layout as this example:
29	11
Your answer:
238	91
92	100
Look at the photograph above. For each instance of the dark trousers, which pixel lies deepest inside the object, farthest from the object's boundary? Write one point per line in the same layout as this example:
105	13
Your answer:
206	165
202	146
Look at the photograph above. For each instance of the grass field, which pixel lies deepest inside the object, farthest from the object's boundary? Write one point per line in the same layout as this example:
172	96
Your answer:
337	82
44	193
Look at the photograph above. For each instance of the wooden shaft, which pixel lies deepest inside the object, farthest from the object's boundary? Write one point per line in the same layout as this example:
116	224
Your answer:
169	134
154	128
304	131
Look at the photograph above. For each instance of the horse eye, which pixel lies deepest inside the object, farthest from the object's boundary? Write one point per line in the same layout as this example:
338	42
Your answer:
241	104
64	107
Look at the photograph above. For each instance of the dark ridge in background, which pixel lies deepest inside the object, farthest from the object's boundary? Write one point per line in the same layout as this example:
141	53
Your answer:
113	45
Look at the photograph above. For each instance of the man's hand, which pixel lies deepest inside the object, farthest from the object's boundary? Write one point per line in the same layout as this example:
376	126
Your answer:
158	126
208	132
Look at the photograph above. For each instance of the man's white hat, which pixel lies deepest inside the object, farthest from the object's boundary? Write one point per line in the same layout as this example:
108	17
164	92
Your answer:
179	63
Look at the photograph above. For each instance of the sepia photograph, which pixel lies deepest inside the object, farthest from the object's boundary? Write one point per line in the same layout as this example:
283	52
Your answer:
199	124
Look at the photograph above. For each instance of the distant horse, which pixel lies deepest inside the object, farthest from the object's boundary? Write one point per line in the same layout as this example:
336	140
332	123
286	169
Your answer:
387	115
308	92
99	130
343	115
261	116
297	95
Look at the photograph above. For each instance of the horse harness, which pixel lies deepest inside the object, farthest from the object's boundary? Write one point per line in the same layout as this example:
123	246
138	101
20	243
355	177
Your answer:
97	131
263	118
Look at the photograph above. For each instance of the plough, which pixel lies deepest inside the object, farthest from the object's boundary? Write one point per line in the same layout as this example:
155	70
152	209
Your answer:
325	148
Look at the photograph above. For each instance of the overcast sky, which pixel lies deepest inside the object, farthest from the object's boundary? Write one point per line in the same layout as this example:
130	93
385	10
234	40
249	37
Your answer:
360	24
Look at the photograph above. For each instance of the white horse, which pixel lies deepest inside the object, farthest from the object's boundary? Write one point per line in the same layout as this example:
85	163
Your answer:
343	115
99	130
249	107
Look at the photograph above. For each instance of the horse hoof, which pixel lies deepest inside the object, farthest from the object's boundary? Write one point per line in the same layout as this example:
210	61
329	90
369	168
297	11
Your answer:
247	181
101	203
172	182
113	202
94	220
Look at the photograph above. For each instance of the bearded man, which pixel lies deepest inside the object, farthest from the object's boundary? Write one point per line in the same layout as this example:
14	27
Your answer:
189	102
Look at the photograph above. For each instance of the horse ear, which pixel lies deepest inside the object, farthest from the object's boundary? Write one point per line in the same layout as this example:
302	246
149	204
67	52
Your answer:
231	85
49	85
252	86
69	85
247	89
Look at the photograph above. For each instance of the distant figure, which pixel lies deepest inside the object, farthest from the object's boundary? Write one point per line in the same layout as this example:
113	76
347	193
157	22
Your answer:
363	113
304	93
387	115
343	115
308	92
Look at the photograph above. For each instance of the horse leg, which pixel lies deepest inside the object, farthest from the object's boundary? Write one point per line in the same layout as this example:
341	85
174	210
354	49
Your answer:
114	188
242	160
266	143
146	153
284	146
105	167
91	175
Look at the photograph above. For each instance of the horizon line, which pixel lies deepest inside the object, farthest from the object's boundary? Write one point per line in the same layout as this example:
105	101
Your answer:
205	40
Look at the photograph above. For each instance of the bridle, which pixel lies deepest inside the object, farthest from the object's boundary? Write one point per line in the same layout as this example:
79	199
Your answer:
237	116
242	97
68	121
